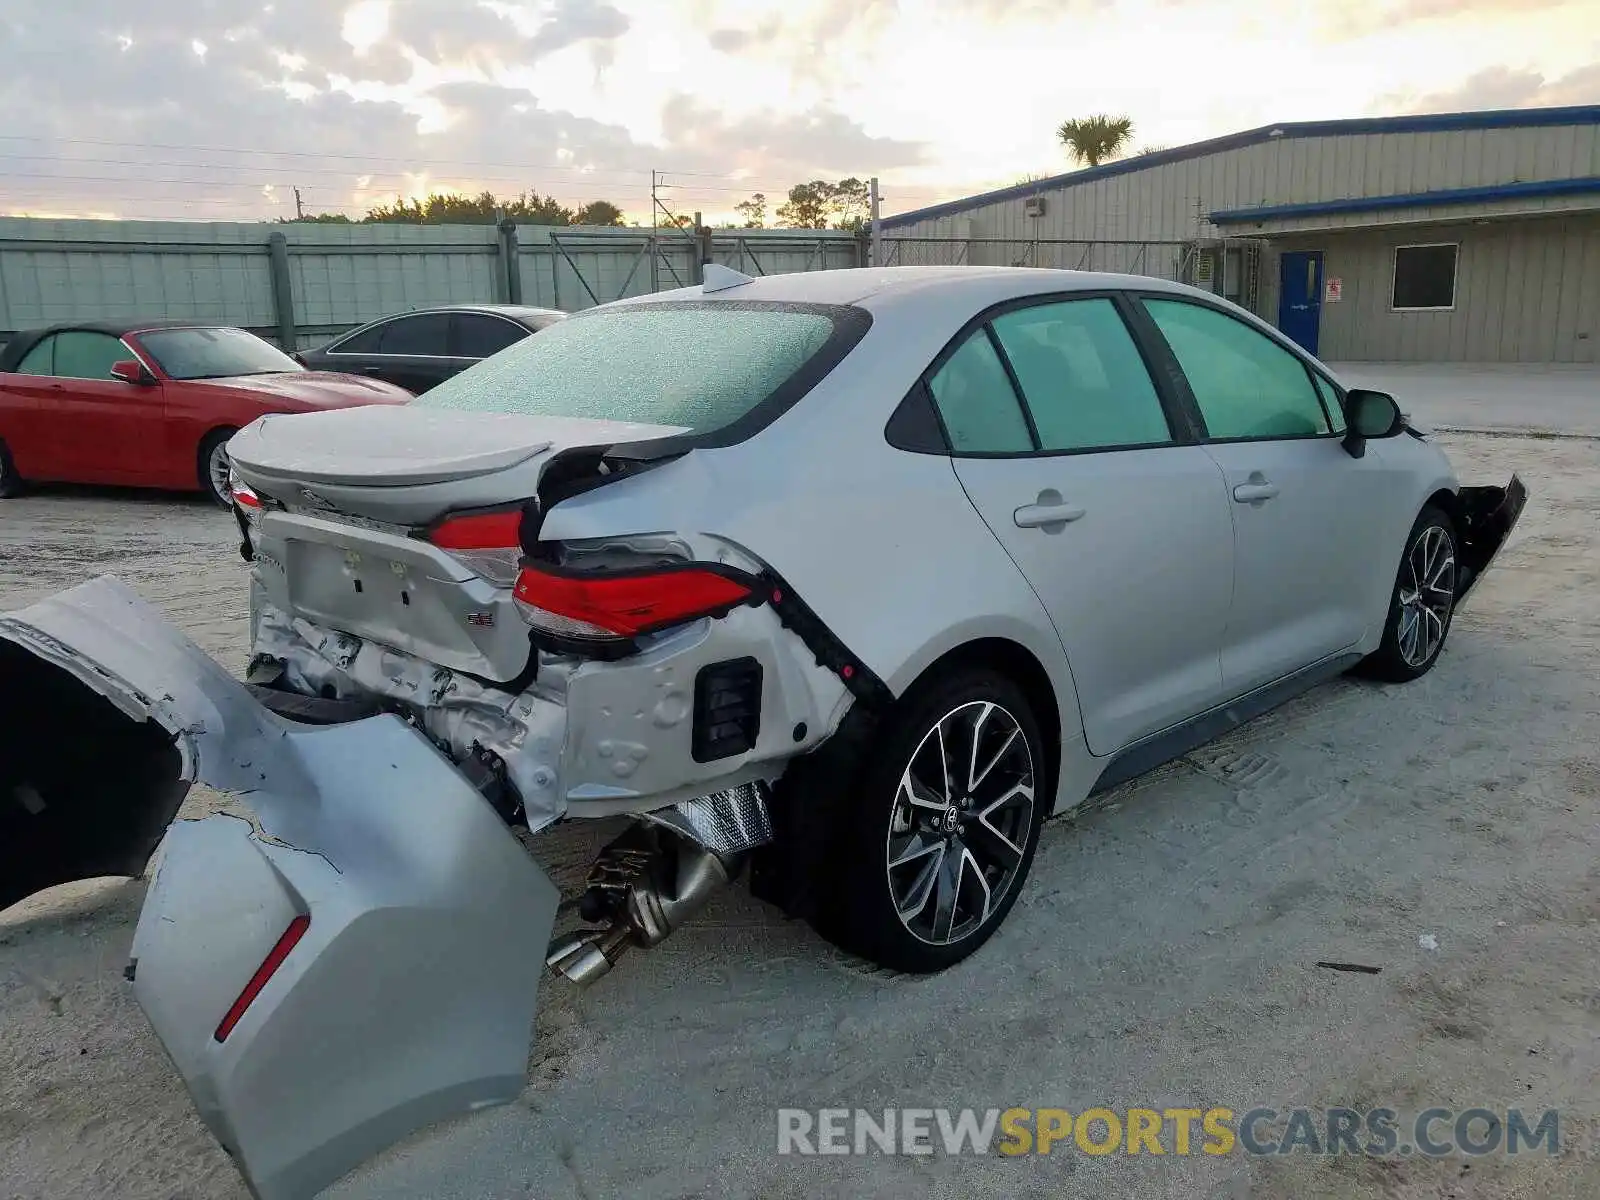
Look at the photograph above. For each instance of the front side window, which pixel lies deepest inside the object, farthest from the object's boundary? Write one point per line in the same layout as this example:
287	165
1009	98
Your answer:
1330	401
1082	377
84	355
977	403
1424	277
425	335
694	366
214	353
40	360
1247	386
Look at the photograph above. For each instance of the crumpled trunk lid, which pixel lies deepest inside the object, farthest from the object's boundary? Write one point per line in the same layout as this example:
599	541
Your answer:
408	464
409	994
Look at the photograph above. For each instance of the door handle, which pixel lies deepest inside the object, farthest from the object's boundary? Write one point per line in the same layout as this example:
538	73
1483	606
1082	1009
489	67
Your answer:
1046	513
1255	491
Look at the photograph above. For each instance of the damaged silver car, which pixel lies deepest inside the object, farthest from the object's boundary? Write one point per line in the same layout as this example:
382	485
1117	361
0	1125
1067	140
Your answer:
844	580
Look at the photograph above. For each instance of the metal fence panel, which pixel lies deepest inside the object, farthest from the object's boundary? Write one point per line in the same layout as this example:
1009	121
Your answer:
308	282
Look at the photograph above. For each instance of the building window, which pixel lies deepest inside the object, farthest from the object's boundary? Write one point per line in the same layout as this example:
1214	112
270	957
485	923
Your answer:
1425	277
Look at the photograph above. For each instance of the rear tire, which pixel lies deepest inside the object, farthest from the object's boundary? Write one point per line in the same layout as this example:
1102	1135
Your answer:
10	481
212	462
1422	604
941	825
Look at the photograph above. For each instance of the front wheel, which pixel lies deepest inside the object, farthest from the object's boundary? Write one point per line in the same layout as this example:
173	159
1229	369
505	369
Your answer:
1423	602
213	463
945	818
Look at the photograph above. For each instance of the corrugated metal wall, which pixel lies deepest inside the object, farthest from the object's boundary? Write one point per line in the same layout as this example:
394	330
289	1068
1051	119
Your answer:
1526	291
340	276
1171	200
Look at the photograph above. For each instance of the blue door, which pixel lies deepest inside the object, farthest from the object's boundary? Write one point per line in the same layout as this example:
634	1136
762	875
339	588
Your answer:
1300	296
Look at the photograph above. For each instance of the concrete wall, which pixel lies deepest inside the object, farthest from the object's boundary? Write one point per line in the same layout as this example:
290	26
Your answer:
1171	200
1526	291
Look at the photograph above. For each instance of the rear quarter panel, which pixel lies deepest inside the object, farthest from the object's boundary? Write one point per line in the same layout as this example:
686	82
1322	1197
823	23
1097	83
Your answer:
882	543
19	423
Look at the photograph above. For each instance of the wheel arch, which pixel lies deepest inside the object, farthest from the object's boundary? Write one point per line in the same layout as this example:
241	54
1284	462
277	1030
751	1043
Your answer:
1022	666
1449	502
221	427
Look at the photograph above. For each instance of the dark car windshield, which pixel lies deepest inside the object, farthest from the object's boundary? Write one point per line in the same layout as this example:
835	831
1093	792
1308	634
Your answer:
699	366
214	353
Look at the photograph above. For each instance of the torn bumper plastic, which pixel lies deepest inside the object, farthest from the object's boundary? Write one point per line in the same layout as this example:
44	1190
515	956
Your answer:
409	996
1489	514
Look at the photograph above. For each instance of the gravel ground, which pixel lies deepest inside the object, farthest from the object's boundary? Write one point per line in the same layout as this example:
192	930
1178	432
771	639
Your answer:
1162	953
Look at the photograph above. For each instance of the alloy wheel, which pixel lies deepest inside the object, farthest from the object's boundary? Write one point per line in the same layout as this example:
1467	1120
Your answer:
1427	593
962	813
217	472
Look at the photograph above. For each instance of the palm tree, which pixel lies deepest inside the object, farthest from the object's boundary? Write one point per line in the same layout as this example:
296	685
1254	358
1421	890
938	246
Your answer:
1092	140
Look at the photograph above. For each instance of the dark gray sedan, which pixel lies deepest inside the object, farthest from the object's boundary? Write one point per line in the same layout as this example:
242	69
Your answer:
418	350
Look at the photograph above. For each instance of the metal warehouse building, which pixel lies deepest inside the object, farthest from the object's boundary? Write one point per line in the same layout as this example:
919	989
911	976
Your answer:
1457	237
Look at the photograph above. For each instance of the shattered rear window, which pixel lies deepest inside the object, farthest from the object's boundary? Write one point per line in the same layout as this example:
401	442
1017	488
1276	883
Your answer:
696	366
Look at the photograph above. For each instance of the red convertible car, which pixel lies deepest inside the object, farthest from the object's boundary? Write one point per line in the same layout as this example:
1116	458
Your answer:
149	405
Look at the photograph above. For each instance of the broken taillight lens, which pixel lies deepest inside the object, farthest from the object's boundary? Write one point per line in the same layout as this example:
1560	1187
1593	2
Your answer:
600	607
487	544
268	968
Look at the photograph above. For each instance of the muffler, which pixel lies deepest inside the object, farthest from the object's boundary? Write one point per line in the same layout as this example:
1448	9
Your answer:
653	878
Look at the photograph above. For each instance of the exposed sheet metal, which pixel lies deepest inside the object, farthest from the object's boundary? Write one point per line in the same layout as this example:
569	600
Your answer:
525	731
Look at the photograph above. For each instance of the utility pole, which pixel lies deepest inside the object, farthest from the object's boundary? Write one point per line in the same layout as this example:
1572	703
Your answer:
655	208
875	254
299	209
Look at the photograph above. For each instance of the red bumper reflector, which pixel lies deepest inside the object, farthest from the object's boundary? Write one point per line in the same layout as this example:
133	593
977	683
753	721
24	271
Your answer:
625	605
480	531
269	966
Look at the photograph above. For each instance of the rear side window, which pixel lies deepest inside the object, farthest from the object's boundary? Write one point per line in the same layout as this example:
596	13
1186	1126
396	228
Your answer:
427	334
84	355
40	360
478	336
694	366
1082	376
977	402
1247	386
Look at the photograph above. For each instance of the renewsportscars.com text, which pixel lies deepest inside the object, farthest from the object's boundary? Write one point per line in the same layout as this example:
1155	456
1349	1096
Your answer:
1378	1132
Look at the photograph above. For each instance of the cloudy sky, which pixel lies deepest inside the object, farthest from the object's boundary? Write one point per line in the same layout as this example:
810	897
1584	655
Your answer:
221	108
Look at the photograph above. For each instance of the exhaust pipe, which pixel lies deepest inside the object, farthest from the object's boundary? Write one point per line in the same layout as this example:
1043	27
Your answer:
649	882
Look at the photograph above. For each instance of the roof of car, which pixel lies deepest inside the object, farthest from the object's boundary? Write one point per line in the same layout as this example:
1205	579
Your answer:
881	285
17	347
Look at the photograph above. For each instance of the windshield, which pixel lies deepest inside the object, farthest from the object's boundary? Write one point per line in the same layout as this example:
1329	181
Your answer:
697	366
214	353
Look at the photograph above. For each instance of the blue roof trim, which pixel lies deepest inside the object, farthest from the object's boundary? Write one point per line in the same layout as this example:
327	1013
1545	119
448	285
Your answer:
1510	118
1359	204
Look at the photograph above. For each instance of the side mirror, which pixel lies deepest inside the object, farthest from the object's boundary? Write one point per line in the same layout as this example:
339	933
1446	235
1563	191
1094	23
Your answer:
131	370
1370	415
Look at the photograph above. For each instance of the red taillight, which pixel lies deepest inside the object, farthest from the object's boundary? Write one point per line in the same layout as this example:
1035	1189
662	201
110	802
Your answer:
269	966
489	544
244	497
602	607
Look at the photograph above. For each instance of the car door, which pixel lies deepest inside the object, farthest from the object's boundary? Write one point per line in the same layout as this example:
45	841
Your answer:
1303	508
476	336
1078	464
414	352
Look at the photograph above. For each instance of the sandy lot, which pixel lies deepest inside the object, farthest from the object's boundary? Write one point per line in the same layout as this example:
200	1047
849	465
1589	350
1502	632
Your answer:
1162	953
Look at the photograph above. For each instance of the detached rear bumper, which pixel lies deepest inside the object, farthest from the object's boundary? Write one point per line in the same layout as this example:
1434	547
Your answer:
409	995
